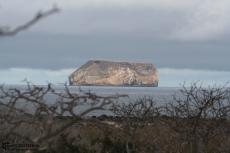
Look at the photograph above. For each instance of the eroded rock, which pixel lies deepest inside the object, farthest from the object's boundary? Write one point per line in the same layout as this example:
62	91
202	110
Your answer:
107	73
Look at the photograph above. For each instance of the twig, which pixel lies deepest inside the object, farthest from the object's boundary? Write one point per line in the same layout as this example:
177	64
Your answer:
34	20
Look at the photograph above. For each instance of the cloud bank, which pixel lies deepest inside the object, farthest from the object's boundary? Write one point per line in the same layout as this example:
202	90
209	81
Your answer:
168	77
176	77
18	76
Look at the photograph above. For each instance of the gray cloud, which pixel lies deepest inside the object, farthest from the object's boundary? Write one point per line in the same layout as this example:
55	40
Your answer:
190	20
60	51
66	4
169	33
210	19
132	22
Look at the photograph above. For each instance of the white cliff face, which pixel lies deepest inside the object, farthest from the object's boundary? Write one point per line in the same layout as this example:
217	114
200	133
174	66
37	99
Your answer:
115	74
126	75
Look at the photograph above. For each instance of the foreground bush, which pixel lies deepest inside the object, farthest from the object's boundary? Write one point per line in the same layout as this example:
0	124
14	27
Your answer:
197	120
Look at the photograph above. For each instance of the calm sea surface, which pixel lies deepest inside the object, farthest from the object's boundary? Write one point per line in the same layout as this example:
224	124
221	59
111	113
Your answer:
161	95
107	90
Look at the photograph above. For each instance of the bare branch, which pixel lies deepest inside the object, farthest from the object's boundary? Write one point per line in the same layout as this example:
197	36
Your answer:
45	108
40	15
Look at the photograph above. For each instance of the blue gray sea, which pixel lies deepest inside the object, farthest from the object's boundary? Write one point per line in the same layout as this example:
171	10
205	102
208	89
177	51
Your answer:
161	95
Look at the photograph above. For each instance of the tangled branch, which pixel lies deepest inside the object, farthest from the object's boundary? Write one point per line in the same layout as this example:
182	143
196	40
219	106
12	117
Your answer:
38	114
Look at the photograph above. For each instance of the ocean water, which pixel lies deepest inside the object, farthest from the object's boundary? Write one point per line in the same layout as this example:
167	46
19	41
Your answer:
161	95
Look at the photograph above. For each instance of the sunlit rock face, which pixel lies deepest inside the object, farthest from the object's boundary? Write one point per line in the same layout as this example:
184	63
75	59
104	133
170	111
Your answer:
107	73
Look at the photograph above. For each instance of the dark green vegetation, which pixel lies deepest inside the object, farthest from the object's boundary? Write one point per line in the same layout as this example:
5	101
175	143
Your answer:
197	120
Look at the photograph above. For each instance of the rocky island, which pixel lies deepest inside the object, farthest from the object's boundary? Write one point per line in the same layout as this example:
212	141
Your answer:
107	73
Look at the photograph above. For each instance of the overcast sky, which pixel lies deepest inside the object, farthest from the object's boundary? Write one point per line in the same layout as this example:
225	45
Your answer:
185	20
169	33
173	34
